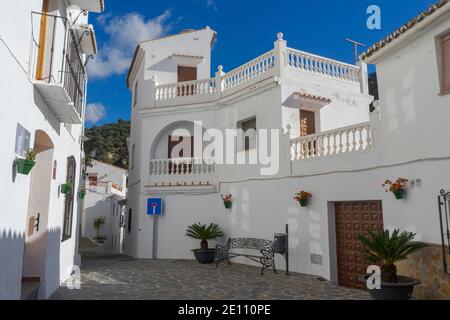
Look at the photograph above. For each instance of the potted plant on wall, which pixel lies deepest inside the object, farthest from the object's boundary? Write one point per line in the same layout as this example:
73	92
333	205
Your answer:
303	198
24	166
204	233
82	193
385	249
66	188
227	200
398	188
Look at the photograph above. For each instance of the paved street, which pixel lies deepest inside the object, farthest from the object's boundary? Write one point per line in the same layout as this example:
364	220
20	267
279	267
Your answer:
126	278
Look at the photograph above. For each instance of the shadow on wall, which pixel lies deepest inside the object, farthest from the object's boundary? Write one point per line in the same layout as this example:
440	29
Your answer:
11	255
12	266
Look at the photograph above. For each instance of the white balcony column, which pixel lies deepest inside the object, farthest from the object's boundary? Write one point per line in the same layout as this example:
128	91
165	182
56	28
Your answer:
363	77
280	49
219	81
149	93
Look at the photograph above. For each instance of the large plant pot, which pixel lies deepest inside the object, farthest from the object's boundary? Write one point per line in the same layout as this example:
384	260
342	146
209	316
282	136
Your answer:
24	166
402	290
205	256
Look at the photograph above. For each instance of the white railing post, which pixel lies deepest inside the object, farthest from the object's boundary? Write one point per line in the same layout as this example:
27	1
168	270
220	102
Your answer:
149	95
219	81
280	50
363	77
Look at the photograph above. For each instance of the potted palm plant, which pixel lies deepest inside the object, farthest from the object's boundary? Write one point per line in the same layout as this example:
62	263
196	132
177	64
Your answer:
385	249
204	233
98	225
24	166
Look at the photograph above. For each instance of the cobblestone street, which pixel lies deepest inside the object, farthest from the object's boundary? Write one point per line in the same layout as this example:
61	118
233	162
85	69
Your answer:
125	278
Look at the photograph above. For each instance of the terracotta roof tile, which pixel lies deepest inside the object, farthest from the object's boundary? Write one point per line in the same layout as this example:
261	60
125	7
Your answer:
407	26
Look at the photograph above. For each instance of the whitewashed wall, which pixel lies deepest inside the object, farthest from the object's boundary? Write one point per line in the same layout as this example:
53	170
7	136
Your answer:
20	103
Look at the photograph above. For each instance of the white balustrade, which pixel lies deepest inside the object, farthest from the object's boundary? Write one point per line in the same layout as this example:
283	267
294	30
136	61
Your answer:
346	140
262	65
186	89
304	61
250	70
181	172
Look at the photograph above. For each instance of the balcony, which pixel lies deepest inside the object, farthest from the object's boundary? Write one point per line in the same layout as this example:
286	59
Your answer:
56	68
181	174
280	61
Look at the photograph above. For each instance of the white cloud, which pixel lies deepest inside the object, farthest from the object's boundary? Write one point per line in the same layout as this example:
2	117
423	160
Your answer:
95	112
124	33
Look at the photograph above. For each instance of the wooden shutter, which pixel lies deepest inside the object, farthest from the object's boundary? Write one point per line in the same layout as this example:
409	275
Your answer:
445	44
187	73
42	38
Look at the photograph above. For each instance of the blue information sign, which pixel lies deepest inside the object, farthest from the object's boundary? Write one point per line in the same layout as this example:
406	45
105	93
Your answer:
154	206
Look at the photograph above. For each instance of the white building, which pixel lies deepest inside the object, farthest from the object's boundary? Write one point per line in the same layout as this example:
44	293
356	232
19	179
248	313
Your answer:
106	191
331	147
44	46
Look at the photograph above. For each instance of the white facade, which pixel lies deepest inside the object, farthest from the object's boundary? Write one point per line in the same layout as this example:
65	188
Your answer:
53	115
355	152
106	190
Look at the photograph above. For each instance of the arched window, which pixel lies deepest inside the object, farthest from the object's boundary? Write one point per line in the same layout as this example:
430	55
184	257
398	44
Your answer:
68	208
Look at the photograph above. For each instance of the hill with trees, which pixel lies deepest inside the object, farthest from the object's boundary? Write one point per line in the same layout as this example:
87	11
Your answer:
107	143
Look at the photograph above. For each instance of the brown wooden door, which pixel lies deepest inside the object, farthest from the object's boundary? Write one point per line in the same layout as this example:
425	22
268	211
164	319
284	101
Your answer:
308	127
307	123
186	74
352	219
174	141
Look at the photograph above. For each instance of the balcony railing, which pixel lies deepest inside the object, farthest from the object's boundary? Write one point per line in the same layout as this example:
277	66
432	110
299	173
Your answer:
270	64
303	61
57	69
346	140
188	172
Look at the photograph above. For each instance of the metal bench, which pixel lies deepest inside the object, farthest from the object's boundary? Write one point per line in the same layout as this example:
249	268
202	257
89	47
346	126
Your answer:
265	247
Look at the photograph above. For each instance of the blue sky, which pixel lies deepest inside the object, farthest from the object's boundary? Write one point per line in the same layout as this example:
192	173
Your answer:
245	29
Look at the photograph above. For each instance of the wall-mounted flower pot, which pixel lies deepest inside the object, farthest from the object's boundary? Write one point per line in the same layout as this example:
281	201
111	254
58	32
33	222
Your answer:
399	194
81	194
66	188
24	166
228	204
303	203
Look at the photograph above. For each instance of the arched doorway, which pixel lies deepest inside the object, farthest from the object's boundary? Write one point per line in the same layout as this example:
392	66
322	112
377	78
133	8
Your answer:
36	237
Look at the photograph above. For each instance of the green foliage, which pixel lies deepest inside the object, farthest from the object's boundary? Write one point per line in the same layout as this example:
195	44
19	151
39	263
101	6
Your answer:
108	144
30	155
98	224
200	231
386	248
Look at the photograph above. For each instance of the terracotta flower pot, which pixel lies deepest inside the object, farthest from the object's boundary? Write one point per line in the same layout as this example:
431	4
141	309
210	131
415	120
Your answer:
24	166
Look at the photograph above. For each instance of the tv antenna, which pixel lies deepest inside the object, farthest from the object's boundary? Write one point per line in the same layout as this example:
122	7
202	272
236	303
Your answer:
356	44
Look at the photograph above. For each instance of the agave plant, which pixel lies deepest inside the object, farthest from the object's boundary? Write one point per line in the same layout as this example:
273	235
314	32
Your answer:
385	249
98	224
204	233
